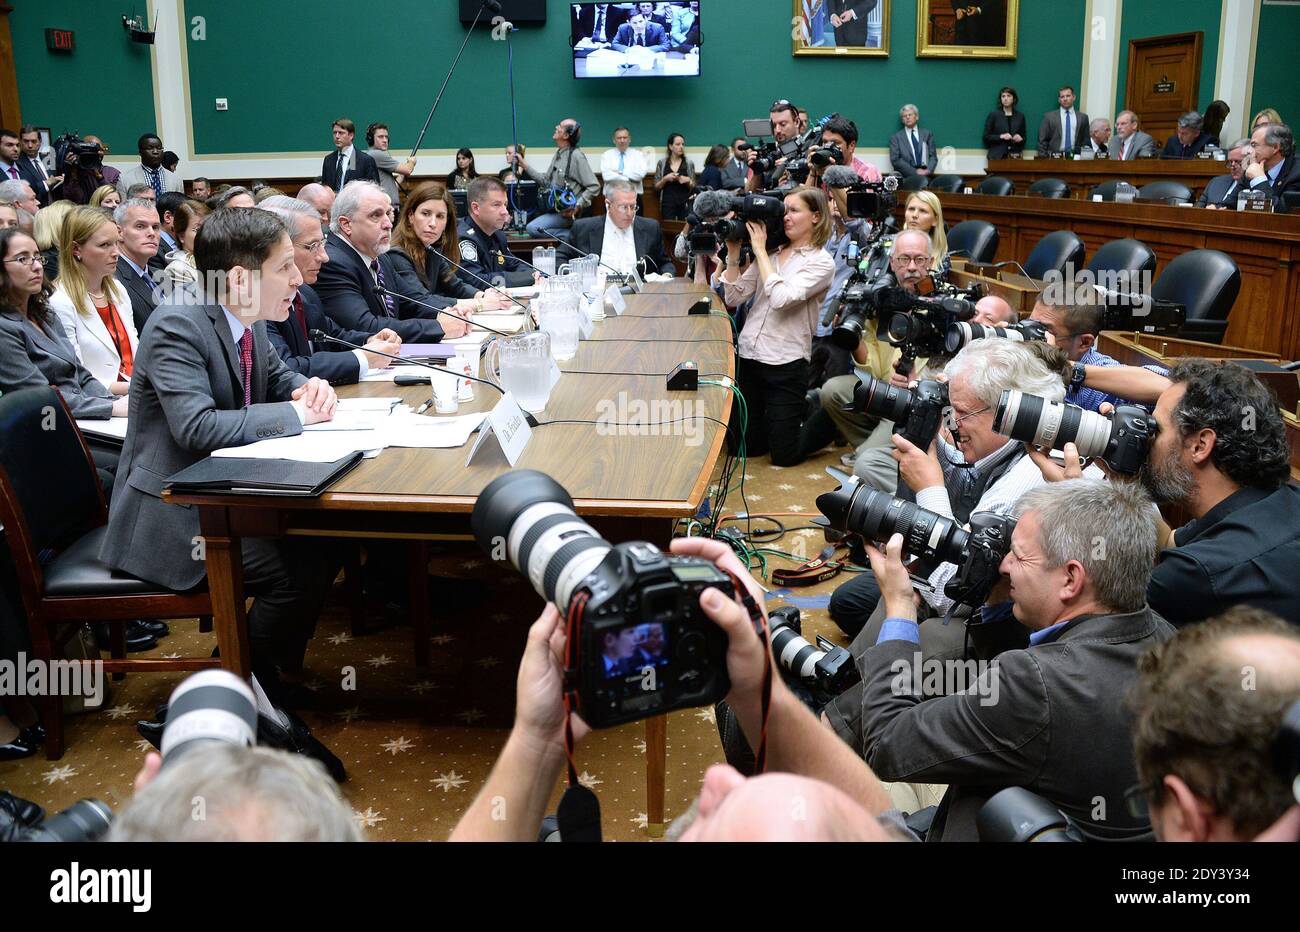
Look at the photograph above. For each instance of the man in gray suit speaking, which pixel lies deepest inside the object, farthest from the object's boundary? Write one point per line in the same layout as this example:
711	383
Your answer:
204	378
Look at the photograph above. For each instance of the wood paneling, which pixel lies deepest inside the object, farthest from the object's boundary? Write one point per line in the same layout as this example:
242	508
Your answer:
11	116
1083	174
1155	61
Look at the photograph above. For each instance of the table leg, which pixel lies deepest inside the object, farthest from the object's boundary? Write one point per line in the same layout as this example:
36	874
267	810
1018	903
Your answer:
417	552
656	768
225	563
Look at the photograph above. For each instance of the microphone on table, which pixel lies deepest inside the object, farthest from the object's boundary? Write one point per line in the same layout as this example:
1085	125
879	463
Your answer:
381	291
999	265
492	6
480	279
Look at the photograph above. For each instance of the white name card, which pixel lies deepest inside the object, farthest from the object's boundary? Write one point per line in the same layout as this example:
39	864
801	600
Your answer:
616	299
508	426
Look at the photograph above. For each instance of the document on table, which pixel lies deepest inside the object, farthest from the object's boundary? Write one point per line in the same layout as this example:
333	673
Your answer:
509	323
431	432
401	429
114	427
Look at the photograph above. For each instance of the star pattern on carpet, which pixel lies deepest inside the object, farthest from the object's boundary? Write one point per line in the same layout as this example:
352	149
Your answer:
470	716
350	715
449	781
589	780
368	819
59	774
397	745
382	660
120	711
341	638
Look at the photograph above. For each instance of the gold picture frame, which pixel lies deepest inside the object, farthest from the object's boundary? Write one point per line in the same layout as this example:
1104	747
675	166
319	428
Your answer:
812	33
945	31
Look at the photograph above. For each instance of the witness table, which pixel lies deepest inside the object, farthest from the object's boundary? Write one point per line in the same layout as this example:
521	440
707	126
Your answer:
630	487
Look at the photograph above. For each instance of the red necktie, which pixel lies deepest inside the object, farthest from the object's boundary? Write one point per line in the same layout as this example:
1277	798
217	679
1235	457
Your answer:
246	365
301	317
13	173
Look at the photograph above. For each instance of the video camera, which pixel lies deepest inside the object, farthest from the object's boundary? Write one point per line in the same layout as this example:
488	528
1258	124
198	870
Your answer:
71	149
794	152
1122	438
919	325
1141	313
614	593
714	227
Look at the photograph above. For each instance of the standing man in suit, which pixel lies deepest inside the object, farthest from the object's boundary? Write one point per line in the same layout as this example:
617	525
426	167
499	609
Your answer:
1063	129
736	171
346	163
1273	168
291	338
849	18
206	378
621	238
137	219
349	283
10	151
1221	193
32	167
150	170
1129	142
911	149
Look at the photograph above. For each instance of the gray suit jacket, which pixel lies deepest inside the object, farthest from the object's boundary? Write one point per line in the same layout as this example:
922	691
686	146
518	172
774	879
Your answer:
1217	192
1050	132
903	158
733	177
187	399
1142	146
134	174
29	359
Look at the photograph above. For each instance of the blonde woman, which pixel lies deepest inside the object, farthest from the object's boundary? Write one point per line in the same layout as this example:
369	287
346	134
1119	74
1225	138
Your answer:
45	230
1265	116
92	307
187	219
923	212
106	196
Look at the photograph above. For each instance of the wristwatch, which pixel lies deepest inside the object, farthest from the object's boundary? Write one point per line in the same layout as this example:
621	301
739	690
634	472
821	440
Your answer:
1076	380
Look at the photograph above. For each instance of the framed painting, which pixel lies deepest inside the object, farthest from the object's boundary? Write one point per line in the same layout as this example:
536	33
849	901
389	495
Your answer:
966	28
841	27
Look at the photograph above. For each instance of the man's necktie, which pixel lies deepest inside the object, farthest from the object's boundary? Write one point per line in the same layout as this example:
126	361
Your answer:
916	151
343	167
246	365
13	172
379	277
640	38
152	285
300	315
155	181
599	32
1067	141
622	162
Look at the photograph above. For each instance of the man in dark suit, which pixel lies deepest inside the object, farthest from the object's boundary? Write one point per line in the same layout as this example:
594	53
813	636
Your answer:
911	149
349	283
736	171
291	338
1063	129
1274	168
30	165
205	378
980	22
347	162
1051	717
641	31
1221	193
621	238
138	221
849	18
1188	140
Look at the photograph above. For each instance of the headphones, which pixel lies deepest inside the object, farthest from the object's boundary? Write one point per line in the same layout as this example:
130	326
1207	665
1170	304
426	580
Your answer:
370	133
573	133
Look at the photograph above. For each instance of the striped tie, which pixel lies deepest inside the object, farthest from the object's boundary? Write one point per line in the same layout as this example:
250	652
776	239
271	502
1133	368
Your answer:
379	279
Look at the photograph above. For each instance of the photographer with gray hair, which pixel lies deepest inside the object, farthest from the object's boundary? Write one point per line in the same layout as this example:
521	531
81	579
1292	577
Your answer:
623	240
1189	139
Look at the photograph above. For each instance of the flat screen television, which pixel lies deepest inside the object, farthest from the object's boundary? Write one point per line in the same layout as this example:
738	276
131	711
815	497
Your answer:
635	40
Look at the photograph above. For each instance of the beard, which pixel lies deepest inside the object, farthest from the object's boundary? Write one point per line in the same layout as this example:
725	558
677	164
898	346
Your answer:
1168	481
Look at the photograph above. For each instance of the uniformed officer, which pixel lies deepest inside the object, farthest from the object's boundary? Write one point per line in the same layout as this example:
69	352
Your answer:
483	248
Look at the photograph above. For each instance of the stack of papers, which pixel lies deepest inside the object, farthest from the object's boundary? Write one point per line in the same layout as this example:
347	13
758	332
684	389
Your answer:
114	427
400	429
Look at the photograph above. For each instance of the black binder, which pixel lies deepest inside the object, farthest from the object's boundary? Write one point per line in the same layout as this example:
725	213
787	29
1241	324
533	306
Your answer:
231	476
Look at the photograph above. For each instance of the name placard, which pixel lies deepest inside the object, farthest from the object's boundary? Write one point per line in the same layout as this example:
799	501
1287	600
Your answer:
507	425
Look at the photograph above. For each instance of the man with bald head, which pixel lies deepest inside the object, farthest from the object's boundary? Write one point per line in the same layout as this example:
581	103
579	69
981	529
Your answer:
322	198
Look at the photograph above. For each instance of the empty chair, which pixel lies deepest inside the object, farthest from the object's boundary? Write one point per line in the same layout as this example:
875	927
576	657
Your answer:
1106	189
996	185
977	240
1122	265
1054	253
914	183
1164	190
1048	187
1206	282
950	183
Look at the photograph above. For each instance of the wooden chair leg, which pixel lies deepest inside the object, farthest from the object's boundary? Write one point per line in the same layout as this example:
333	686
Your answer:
205	624
52	720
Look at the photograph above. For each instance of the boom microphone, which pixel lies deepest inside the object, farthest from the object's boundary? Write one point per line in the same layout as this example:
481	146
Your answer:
840	176
494	7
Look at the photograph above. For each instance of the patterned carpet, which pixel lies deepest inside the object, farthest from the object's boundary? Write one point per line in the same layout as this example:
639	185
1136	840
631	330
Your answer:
417	750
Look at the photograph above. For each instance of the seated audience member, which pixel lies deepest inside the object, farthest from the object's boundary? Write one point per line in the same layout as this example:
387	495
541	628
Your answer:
138	221
1264	117
1222	192
187	399
1004	128
787	287
106	196
322	198
843	133
911	149
1099	136
568	171
922	211
640	31
1204	744
9	217
425	246
348	286
1064	129
346	163
168	242
19	193
1129	142
844	800
391	172
91	306
711	175
80	180
200	189
1188	140
187	219
1051	717
141	191
291	338
149	170
674	179
484	253
736	169
684	29
623	161
465	172
45	230
231	196
623	240
264	193
249	794
1273	168
1212	121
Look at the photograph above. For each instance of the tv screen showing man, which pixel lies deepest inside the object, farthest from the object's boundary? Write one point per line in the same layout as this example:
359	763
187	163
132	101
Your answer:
614	40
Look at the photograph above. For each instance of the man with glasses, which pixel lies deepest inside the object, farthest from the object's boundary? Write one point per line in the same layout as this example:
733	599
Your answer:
1221	193
291	338
623	240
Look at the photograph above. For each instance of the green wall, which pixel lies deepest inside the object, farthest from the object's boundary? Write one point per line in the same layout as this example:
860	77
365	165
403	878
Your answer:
1144	18
391	72
1275	82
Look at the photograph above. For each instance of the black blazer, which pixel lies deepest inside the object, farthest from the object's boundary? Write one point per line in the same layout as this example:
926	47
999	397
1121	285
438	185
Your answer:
998	123
361	167
588	237
443	280
1288	179
143	300
417	280
32	175
331	362
347	292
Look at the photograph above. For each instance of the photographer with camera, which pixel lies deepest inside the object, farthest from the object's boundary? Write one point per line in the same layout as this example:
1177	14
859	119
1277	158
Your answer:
81	162
838	146
785	127
1206	743
569	177
1051	717
829	359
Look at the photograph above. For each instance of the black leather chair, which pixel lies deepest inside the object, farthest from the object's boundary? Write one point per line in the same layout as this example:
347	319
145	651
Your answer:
53	511
977	240
914	183
1048	187
1164	190
996	185
1106	189
1123	265
949	183
1054	252
1206	282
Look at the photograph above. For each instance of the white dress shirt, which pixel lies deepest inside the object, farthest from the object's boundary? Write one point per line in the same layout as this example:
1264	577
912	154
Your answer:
618	250
633	165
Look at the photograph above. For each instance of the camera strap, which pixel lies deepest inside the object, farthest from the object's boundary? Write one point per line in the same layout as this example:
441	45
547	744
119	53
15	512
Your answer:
760	627
815	571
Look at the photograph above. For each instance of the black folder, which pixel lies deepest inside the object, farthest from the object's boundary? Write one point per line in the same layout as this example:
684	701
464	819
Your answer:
231	476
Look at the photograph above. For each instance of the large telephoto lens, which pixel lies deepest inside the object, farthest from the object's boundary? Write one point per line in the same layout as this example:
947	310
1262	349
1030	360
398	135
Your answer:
1051	424
211	705
527	517
881	398
963	333
878	516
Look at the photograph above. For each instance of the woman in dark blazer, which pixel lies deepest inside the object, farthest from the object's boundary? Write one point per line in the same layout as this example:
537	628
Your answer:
1004	129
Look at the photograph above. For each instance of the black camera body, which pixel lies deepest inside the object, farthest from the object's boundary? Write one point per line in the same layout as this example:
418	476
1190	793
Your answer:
824	670
873	200
917	412
826	155
986	548
919	325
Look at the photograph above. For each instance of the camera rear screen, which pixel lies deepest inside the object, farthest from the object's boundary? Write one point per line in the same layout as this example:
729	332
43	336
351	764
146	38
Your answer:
629	650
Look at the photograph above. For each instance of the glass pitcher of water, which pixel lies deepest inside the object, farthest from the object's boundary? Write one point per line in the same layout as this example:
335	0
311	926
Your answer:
544	259
521	364
558	314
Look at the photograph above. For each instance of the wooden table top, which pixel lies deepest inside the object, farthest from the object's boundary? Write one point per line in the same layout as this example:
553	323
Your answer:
658	471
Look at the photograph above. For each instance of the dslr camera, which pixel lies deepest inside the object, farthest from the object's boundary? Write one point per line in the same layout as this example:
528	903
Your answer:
822	671
642	646
1122	438
917	412
929	537
919	325
1025	332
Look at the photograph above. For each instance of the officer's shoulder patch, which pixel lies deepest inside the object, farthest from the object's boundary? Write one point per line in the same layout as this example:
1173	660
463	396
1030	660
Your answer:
468	251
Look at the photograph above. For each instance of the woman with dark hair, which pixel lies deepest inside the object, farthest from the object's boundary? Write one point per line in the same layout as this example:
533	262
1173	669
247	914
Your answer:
465	171
1212	119
1004	128
674	179
711	177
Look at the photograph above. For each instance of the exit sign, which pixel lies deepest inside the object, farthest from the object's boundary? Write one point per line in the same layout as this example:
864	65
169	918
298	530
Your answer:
60	40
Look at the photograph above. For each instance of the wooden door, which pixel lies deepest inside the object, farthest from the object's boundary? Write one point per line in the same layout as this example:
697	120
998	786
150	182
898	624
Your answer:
1164	80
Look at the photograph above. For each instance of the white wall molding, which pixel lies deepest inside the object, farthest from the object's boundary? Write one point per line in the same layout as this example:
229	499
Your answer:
1100	82
1235	69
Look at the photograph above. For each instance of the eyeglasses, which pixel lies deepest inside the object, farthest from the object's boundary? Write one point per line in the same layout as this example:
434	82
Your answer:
912	260
312	246
1235	163
625	208
956	419
25	259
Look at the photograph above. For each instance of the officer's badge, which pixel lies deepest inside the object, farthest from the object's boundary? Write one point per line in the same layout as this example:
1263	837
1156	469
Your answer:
501	259
468	251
